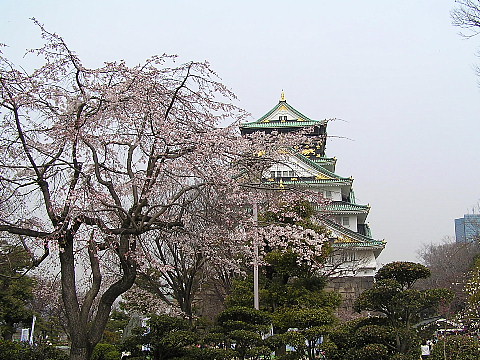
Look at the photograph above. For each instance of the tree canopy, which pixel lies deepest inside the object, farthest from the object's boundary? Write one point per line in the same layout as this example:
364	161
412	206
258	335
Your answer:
98	163
403	306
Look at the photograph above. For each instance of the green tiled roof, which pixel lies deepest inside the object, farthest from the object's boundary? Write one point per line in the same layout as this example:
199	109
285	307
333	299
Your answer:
324	160
313	181
359	240
301	121
319	167
372	243
345	207
277	124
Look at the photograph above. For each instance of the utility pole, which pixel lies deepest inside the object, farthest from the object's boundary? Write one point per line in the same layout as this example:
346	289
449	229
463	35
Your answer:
256	302
33	329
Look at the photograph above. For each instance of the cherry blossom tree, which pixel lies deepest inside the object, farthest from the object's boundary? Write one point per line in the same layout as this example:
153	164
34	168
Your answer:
209	254
101	161
176	264
94	159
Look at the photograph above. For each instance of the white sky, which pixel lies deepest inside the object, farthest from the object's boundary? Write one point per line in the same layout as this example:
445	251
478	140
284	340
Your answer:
396	72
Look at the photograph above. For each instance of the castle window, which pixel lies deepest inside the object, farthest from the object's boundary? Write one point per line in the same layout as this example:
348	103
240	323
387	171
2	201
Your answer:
346	221
328	194
348	256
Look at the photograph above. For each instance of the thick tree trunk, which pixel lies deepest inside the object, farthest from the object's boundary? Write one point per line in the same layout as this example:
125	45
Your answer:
80	353
76	325
85	326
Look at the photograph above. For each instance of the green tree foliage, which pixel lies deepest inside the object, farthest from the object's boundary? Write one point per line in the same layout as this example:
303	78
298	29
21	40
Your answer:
115	326
307	328
242	328
403	272
456	347
351	339
244	318
372	352
16	289
167	337
237	334
393	296
105	352
366	338
10	350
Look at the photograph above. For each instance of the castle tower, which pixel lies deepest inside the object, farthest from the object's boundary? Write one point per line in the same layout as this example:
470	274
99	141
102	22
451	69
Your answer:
355	250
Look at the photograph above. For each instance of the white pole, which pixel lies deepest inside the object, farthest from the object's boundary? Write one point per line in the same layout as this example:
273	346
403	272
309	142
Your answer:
256	302
33	328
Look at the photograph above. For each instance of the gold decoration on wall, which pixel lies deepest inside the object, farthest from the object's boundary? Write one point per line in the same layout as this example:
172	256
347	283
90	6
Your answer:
308	151
344	239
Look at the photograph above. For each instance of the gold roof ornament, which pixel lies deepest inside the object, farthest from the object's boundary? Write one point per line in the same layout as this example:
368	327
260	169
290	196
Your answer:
282	96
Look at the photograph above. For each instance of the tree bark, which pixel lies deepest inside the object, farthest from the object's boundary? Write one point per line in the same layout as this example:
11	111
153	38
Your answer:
84	332
80	353
77	327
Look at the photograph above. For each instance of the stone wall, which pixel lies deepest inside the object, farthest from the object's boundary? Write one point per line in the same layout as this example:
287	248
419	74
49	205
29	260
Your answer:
349	288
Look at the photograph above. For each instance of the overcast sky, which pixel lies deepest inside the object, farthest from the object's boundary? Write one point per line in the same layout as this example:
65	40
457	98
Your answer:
396	74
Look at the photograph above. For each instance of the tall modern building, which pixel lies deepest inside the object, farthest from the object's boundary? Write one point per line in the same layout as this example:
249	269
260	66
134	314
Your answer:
467	229
355	250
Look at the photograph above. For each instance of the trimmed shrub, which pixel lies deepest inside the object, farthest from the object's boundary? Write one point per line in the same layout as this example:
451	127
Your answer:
21	351
372	352
101	351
